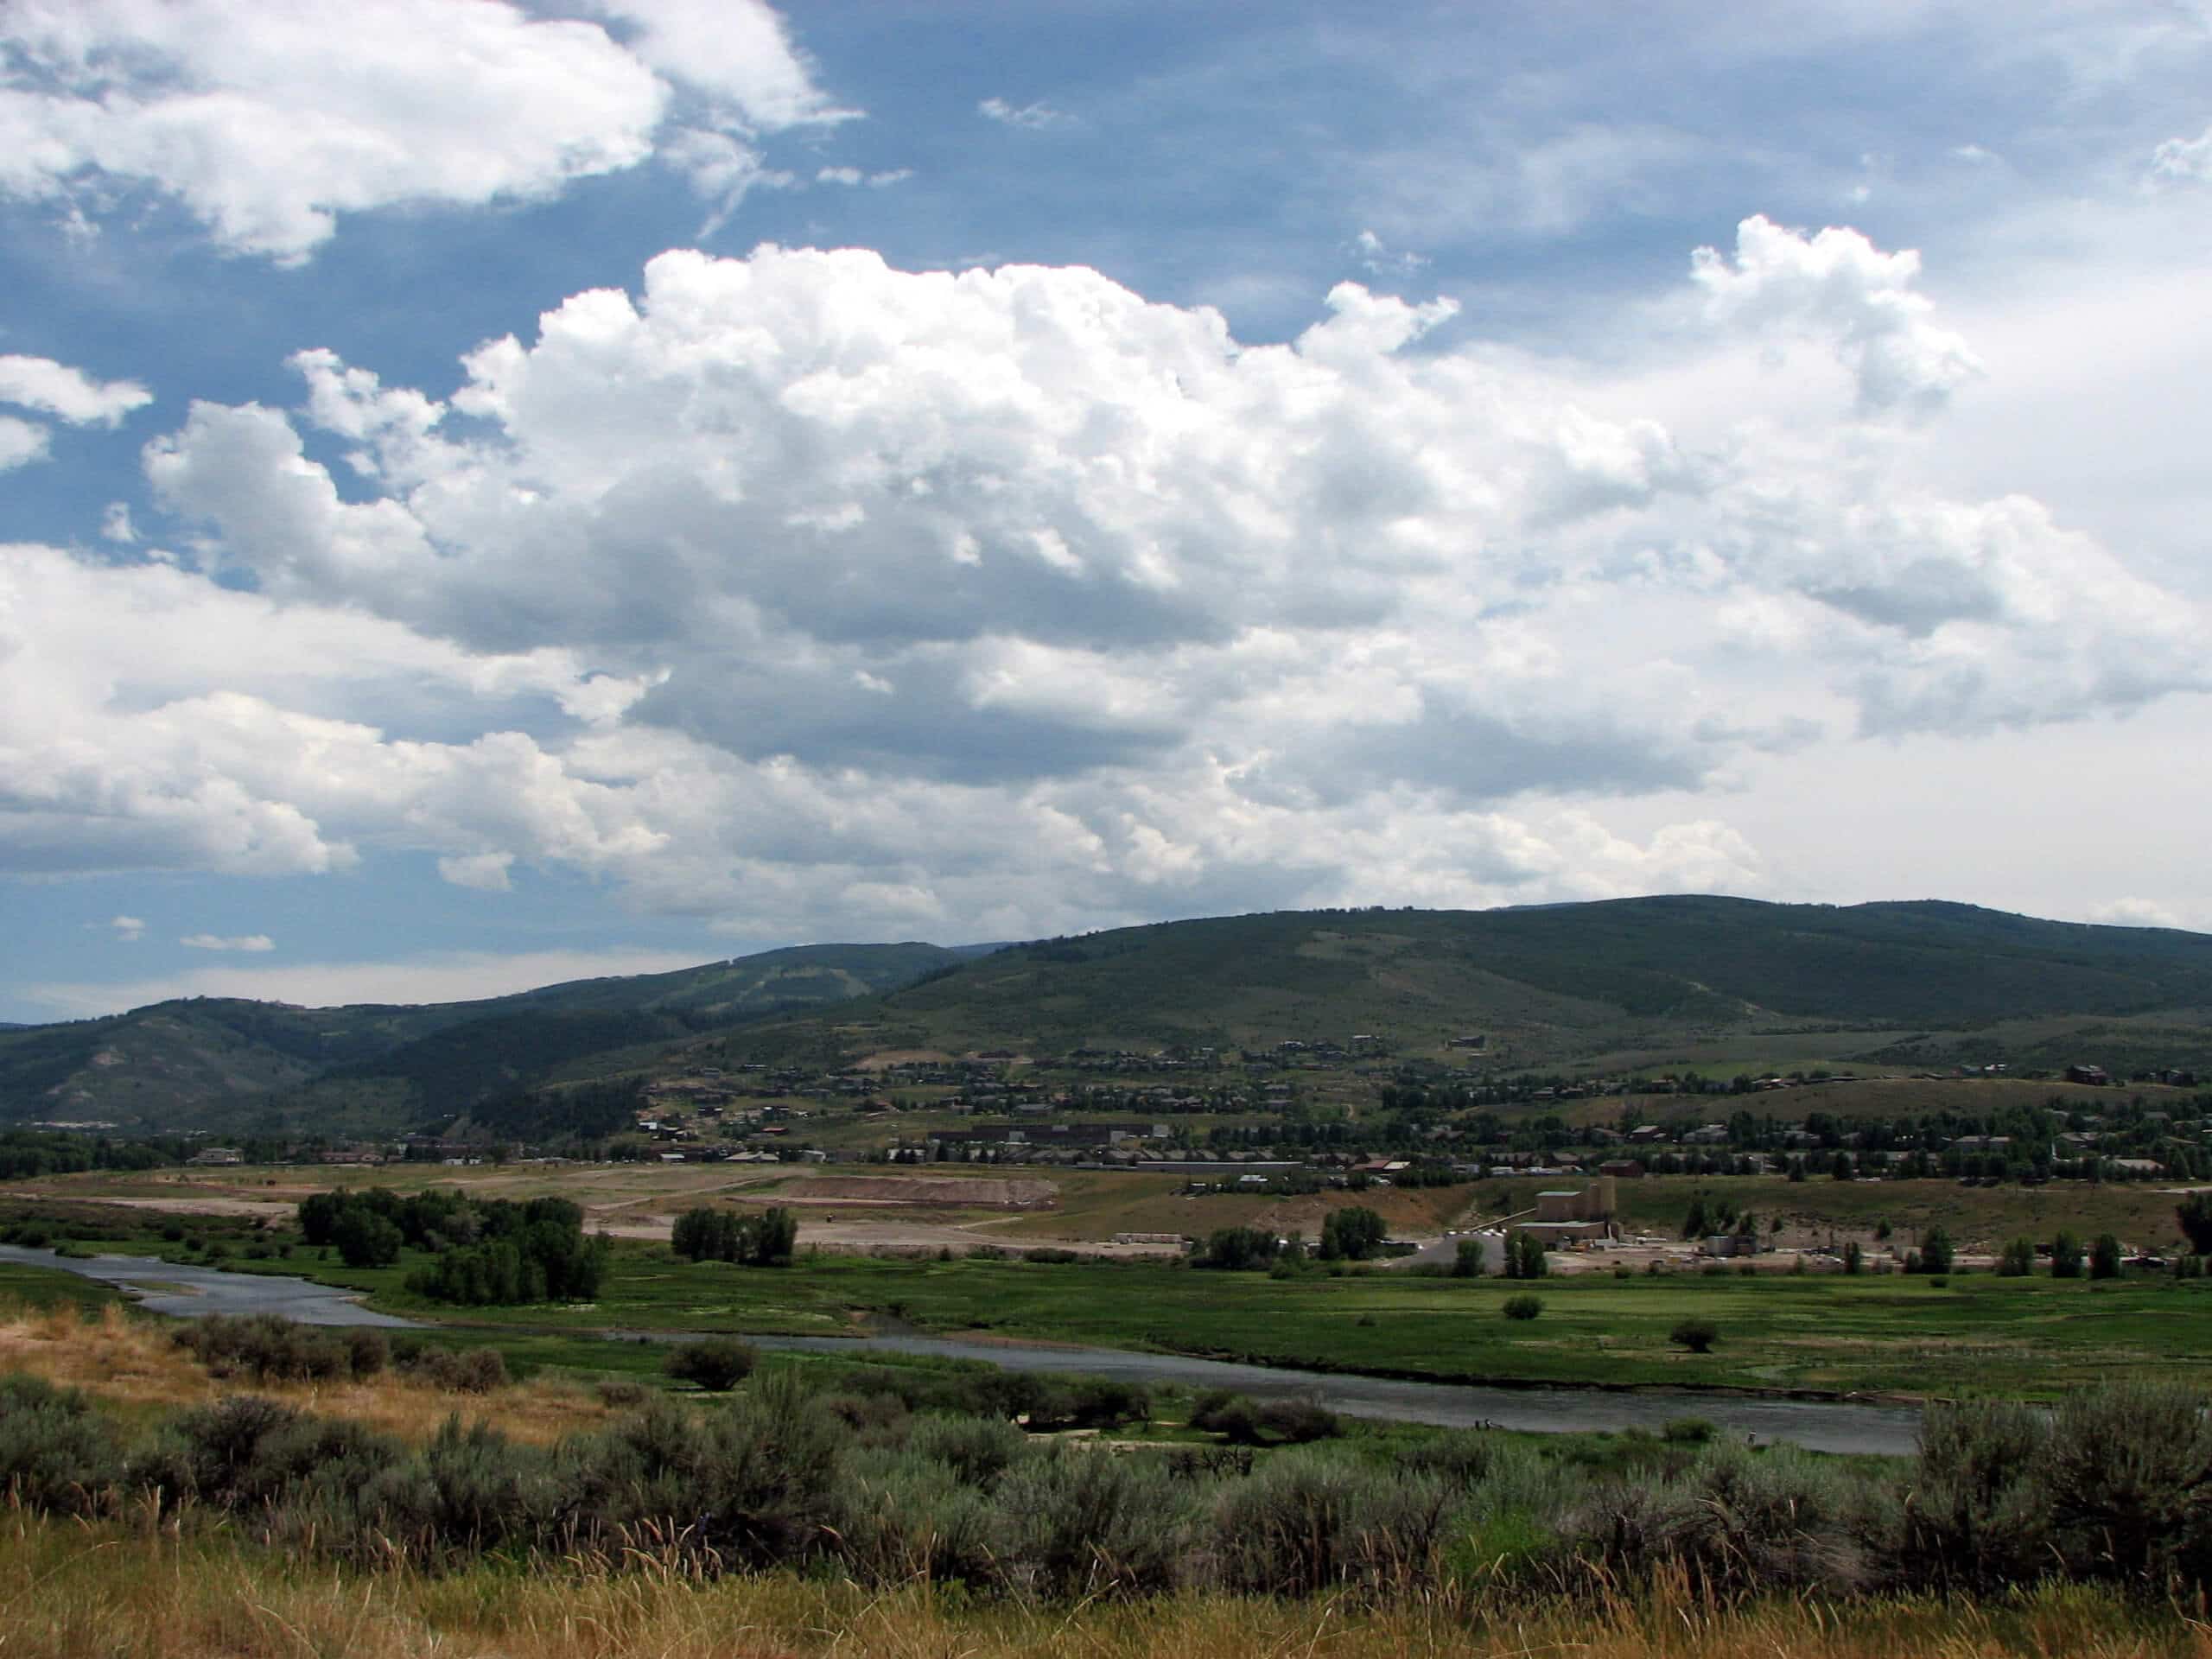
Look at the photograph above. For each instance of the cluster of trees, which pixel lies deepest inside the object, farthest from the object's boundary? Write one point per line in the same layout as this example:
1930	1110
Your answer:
708	1234
45	1151
488	1251
1717	1219
1235	1250
1352	1235
1525	1258
1934	1254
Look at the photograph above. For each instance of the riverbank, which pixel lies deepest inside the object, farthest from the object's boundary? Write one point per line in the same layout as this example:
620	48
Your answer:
189	1291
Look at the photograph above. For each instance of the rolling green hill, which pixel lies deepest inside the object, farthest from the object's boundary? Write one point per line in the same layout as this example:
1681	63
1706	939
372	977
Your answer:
1716	981
1554	983
225	1065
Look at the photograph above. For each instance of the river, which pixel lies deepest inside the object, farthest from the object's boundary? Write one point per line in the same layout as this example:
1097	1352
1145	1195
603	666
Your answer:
1819	1425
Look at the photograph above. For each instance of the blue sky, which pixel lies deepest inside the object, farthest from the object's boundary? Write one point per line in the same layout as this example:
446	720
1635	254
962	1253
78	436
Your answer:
499	492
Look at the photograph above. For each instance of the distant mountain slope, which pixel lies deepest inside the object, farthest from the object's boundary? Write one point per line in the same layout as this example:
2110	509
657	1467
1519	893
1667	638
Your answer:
201	1062
1554	980
1919	982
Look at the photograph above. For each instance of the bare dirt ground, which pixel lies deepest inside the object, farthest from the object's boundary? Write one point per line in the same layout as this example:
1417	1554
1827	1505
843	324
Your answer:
642	1201
884	1060
958	1191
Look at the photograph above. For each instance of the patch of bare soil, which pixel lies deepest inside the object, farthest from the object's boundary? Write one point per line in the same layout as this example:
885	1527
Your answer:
953	1192
884	1060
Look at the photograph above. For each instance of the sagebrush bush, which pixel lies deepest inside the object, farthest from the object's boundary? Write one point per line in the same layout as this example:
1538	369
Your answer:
1306	1521
717	1364
751	1482
1080	1522
899	1515
56	1453
270	1348
977	1450
1976	1513
2126	1472
457	1370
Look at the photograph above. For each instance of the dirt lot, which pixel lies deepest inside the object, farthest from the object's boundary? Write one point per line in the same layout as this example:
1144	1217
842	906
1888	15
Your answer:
918	1212
958	1191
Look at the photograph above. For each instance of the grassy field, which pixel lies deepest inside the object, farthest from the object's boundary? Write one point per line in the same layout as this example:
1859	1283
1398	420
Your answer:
2028	1337
1978	1218
70	1591
1882	1334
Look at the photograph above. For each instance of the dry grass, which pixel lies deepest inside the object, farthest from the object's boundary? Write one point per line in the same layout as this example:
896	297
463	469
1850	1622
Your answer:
125	1591
135	1367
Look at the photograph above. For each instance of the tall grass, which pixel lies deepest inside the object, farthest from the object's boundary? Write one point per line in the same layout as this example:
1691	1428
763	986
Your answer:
129	1590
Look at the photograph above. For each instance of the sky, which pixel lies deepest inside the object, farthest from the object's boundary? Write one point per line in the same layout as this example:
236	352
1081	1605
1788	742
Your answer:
499	492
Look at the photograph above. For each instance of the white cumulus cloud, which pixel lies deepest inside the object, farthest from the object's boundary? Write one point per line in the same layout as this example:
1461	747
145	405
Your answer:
267	122
1837	286
799	593
2188	159
52	388
485	872
1033	118
253	944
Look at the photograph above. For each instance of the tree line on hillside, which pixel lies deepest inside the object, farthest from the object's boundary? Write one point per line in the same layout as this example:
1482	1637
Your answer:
488	1251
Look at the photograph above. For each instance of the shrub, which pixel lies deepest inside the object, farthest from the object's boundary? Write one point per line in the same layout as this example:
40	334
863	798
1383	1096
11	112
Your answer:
2066	1255
1467	1259
1523	1307
458	1371
2019	1259
1079	1524
1695	1334
1687	1431
1241	1421
1087	1403
470	1489
1306	1522
1853	1257
977	1450
618	1392
267	1348
56	1454
1976	1517
2104	1257
899	1516
717	1364
2126	1470
752	1482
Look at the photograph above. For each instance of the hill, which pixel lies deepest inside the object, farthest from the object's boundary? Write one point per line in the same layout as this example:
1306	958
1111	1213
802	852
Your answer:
1554	983
1709	983
232	1065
